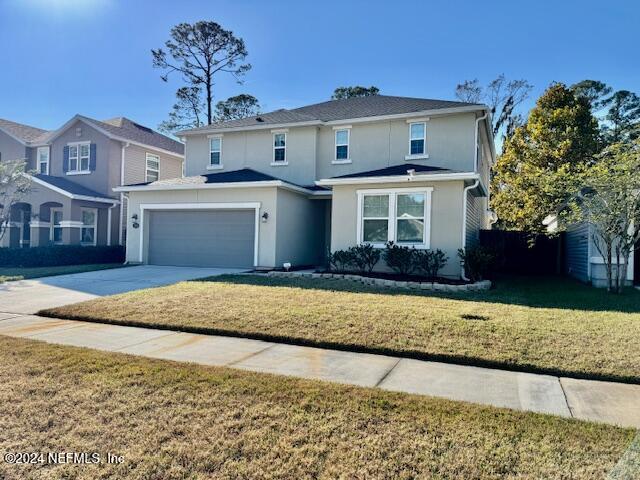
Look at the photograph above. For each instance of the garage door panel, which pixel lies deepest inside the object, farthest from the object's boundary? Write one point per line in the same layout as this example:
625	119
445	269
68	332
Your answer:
212	238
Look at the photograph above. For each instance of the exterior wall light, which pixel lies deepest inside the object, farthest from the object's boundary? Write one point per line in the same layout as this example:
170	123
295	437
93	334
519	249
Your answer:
265	217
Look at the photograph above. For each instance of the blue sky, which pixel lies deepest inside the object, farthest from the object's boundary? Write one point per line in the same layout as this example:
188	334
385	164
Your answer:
61	57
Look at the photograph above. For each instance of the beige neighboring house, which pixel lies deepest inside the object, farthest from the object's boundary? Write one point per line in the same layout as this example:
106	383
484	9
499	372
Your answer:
74	171
289	185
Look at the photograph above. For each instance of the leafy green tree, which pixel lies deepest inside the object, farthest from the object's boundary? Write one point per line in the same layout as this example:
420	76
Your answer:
240	106
502	97
609	201
541	162
14	185
356	91
199	52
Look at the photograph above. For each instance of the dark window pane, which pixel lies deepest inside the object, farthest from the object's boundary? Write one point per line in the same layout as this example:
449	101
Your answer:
342	152
375	231
215	158
410	231
278	155
417	147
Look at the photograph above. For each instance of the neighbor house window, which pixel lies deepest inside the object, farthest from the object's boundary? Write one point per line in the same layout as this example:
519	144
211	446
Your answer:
88	229
399	215
55	234
417	138
342	144
152	172
215	151
79	157
43	160
279	147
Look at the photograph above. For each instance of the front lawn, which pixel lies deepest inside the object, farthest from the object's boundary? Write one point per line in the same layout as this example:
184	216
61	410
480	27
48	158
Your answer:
175	421
542	325
9	274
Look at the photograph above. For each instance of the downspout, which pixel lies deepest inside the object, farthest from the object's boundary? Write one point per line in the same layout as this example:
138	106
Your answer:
465	192
475	144
124	145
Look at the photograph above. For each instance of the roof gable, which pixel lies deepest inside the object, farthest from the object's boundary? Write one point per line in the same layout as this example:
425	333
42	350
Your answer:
21	132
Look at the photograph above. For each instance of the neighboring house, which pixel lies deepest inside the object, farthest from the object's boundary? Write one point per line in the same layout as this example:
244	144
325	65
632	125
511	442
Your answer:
582	258
74	170
289	185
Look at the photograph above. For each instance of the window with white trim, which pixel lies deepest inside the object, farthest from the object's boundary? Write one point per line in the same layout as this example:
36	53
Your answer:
417	138
43	160
152	170
279	148
401	216
55	232
89	223
342	144
79	155
215	151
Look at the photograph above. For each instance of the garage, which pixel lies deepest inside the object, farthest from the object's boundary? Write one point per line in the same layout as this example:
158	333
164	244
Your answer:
202	238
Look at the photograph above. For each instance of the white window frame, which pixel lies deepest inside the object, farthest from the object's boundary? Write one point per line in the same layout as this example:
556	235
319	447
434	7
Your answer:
336	160
279	163
94	226
215	166
39	151
424	154
147	169
78	158
393	193
52	226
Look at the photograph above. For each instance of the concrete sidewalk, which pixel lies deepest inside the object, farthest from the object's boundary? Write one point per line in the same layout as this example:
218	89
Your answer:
587	400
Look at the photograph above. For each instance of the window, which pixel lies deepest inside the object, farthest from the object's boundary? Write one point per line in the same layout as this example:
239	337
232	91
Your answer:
215	151
342	145
279	148
375	218
152	172
399	215
55	234
417	138
79	155
88	230
43	160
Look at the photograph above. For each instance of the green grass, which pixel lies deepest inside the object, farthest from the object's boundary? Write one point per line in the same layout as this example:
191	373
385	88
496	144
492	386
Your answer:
9	274
546	325
177	421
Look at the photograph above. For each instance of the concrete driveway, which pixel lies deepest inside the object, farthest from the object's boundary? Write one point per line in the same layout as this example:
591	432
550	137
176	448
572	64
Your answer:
30	296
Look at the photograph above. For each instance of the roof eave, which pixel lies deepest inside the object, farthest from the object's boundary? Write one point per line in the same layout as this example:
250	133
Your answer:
434	177
210	186
73	196
266	126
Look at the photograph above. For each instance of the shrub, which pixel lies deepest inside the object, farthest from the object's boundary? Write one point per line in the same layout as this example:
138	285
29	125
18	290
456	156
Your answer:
477	262
59	255
400	259
365	257
340	260
430	262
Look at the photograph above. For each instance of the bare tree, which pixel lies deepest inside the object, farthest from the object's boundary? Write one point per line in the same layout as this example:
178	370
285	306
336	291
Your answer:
502	97
199	52
187	112
14	185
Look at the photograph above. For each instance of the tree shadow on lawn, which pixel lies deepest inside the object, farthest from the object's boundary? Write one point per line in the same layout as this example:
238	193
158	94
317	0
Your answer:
535	291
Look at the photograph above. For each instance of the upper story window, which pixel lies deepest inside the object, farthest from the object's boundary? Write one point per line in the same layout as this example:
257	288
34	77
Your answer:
342	137
279	148
43	160
215	152
417	138
152	171
79	155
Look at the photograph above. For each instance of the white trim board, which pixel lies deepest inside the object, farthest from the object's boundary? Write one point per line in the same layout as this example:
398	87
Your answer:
72	195
206	186
417	177
202	206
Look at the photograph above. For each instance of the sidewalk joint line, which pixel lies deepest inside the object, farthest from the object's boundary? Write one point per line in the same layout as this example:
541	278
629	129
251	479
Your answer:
566	400
384	377
246	357
145	341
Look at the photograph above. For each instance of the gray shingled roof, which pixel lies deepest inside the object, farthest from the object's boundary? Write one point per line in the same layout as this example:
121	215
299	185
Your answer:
372	106
130	130
399	170
69	186
25	133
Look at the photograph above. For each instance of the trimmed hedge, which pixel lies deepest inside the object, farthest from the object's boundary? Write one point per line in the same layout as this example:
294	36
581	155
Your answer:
59	255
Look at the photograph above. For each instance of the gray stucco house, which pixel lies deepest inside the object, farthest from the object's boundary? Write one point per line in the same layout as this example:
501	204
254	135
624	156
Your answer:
74	170
288	185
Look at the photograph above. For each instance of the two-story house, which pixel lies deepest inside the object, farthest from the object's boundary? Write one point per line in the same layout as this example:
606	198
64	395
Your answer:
74	170
289	185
